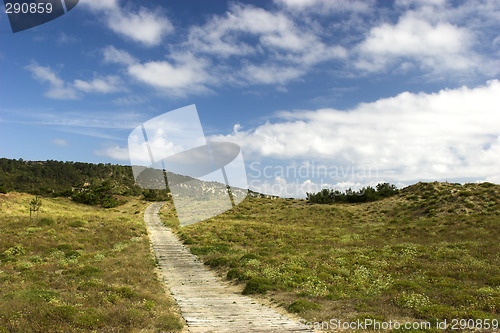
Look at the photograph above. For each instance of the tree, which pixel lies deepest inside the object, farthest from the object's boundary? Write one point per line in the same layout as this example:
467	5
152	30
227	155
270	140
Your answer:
35	206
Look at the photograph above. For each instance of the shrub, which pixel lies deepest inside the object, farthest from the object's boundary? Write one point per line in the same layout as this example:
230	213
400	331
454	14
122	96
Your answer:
168	322
125	292
15	251
76	224
63	312
303	305
325	196
101	194
64	247
257	285
386	190
72	254
234	273
214	262
46	221
366	194
155	195
91	319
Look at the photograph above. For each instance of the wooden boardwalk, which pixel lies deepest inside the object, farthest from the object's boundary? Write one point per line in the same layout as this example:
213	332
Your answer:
207	304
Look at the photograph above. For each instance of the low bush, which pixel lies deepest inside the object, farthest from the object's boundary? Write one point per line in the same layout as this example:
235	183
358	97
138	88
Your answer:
303	305
257	285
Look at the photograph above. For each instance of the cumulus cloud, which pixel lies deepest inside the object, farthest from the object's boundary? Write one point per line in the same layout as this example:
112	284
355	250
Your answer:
103	85
326	6
113	151
144	26
450	134
440	47
60	89
114	55
183	75
282	43
284	47
100	5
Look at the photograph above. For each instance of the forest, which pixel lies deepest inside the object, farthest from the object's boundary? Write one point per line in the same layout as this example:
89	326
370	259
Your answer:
93	184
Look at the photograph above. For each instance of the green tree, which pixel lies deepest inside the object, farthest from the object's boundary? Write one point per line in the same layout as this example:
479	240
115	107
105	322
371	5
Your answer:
35	205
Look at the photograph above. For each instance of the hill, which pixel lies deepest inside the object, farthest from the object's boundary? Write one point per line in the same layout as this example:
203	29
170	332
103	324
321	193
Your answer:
59	178
429	253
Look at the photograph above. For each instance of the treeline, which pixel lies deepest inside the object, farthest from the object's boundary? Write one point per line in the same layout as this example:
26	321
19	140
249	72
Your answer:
93	184
366	194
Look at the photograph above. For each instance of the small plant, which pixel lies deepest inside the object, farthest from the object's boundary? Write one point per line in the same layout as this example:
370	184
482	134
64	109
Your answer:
35	205
303	305
76	224
46	221
257	285
15	251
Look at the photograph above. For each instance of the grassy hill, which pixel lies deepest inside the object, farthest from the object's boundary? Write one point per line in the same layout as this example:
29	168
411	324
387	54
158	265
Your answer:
432	252
79	268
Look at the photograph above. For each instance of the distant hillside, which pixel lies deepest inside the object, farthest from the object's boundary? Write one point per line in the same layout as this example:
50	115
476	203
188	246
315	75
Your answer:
94	183
59	178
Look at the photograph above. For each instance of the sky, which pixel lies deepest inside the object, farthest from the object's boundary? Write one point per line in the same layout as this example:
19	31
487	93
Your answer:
317	93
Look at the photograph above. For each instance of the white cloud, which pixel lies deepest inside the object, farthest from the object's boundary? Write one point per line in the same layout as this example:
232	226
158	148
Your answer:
114	55
184	75
145	26
436	48
129	100
450	134
266	74
284	42
60	142
115	152
58	89
102	85
325	7
100	5
283	46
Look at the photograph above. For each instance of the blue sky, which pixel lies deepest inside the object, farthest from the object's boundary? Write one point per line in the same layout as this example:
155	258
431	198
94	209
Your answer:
317	93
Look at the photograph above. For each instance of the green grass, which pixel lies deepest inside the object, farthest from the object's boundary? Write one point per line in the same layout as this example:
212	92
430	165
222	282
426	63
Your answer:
77	268
430	252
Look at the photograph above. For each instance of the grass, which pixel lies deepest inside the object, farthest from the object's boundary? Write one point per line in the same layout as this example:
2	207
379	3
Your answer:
431	252
77	268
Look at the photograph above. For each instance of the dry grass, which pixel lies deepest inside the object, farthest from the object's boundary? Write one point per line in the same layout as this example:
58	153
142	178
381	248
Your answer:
78	268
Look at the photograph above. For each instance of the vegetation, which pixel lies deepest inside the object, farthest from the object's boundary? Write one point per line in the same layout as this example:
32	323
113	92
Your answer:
430	252
101	194
79	269
60	178
366	194
91	184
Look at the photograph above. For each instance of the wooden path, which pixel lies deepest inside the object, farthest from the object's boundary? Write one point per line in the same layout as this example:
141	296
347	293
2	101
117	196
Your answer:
207	304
